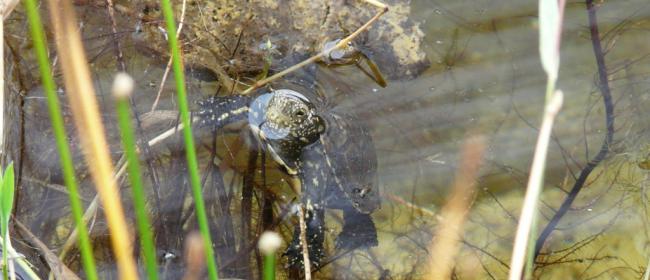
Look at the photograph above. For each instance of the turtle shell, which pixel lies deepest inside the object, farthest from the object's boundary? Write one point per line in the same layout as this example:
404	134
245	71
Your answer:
344	159
339	171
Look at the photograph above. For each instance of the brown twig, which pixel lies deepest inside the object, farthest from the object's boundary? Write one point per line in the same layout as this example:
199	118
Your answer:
57	268
116	42
169	62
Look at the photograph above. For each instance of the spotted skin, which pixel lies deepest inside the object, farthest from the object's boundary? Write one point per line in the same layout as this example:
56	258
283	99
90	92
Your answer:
219	111
332	155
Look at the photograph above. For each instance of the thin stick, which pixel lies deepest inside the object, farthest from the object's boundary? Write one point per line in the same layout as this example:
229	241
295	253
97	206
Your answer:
167	134
534	187
303	242
550	14
90	212
169	62
315	58
57	267
118	50
8	6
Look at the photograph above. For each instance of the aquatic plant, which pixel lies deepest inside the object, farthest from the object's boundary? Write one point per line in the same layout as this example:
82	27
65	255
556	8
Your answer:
190	152
122	89
56	118
6	205
550	22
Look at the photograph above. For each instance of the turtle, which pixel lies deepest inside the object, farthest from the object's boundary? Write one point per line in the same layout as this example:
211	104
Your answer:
331	153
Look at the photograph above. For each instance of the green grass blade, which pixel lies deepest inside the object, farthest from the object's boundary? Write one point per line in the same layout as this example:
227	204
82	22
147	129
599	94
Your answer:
7	195
128	140
189	141
36	29
4	217
269	267
268	244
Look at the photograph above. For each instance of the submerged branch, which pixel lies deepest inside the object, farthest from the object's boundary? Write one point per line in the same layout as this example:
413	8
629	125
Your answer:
609	121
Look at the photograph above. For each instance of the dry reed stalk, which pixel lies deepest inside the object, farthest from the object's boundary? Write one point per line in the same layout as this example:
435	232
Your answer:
550	34
7	7
81	95
533	188
446	242
57	267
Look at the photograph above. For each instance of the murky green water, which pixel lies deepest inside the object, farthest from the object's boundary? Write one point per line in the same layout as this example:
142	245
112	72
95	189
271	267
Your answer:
485	78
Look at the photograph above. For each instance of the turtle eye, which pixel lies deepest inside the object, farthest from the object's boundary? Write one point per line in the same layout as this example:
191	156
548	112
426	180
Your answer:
300	113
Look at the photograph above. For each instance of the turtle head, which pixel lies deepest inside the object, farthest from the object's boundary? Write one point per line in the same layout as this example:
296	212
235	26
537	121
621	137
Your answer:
290	115
287	122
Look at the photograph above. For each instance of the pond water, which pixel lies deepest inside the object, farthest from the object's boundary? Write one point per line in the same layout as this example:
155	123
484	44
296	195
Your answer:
484	77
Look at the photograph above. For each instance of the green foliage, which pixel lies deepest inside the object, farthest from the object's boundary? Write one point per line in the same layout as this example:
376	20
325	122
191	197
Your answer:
139	203
269	267
6	204
6	197
190	153
40	49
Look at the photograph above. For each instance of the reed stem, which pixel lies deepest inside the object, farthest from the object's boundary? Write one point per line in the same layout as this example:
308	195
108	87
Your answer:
36	29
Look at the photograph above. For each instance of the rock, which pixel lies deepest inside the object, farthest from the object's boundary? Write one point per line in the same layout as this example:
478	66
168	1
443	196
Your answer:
227	36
